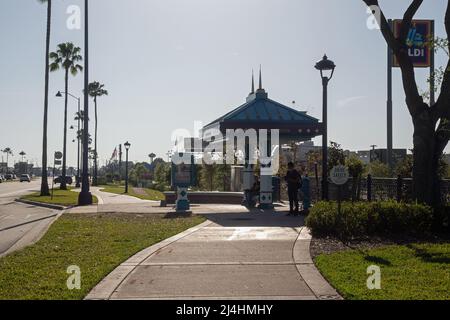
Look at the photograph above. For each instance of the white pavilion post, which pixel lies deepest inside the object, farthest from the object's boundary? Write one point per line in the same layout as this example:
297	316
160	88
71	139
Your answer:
248	178
266	171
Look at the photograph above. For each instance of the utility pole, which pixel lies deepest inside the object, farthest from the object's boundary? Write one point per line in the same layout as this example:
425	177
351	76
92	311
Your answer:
372	152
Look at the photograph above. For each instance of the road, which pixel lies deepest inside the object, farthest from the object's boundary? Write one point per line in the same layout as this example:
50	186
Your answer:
20	224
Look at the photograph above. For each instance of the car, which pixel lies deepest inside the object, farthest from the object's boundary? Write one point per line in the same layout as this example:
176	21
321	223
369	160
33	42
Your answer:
57	180
2	178
25	178
9	177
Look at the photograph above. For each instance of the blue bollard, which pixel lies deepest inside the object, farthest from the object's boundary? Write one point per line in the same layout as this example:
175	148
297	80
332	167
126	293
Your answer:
306	194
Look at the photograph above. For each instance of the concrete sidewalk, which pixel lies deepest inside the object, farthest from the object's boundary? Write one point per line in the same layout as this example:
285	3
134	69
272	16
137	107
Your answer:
233	255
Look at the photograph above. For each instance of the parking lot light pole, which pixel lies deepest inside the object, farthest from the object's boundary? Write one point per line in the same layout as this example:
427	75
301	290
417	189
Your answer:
127	147
326	68
60	94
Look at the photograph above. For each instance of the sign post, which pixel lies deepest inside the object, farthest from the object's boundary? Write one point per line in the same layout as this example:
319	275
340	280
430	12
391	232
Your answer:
56	162
183	176
421	54
339	176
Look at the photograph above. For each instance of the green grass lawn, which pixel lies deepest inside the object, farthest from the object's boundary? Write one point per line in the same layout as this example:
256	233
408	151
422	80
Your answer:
95	243
415	271
151	194
60	197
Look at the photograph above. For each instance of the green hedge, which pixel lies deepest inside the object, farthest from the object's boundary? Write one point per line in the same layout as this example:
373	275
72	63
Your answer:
369	218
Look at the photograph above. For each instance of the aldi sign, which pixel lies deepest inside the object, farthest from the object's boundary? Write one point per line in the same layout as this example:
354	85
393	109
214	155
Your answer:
417	42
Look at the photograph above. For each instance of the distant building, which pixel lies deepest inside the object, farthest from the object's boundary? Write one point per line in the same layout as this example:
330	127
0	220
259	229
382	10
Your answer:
3	167
36	171
23	168
398	155
300	152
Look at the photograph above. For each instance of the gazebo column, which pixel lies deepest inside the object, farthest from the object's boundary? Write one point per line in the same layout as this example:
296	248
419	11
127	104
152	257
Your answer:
266	173
266	188
248	178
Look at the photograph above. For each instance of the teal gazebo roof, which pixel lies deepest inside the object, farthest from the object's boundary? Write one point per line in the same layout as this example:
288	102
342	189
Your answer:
260	112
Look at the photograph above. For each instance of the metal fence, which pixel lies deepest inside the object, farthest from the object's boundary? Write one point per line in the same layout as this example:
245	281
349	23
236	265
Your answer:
371	189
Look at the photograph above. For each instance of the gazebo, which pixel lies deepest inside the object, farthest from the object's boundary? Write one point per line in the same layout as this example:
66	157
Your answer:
260	112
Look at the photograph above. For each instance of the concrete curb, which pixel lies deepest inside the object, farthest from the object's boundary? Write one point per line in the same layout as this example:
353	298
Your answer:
33	238
308	271
106	288
44	205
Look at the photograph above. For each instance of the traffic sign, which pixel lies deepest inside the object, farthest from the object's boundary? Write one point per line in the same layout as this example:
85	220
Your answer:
417	42
58	155
58	162
339	175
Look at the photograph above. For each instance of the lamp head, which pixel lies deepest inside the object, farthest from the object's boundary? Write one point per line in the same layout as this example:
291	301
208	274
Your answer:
325	65
127	145
59	94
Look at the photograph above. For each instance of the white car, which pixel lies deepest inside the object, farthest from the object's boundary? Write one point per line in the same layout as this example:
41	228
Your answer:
25	178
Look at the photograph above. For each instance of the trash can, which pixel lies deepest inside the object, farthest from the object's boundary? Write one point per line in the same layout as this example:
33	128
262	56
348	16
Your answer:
276	189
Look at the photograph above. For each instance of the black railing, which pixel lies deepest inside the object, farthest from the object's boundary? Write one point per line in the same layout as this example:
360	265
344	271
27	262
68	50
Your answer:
372	189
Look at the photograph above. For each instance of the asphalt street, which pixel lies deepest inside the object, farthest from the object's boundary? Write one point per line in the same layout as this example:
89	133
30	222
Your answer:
20	224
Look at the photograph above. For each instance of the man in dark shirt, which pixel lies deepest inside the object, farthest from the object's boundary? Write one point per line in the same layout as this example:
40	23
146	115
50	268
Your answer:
294	181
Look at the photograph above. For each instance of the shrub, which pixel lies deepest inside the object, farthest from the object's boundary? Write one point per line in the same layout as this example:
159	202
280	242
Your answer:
442	218
369	218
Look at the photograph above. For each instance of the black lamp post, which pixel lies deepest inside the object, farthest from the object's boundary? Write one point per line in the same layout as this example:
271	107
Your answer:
59	95
127	147
85	197
326	68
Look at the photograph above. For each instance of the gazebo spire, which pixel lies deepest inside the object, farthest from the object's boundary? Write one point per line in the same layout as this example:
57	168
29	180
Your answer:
260	78
253	82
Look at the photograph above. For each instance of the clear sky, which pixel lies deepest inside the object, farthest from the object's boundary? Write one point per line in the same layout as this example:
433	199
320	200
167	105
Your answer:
168	63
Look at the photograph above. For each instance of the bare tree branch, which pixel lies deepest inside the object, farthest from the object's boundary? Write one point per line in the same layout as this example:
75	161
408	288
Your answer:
392	42
407	19
447	24
414	100
442	136
442	107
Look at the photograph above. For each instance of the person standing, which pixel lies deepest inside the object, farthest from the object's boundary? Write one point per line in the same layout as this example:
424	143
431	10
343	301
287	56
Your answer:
294	181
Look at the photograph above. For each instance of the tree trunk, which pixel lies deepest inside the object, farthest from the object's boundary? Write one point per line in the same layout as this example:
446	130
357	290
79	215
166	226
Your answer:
95	179
425	176
44	180
64	165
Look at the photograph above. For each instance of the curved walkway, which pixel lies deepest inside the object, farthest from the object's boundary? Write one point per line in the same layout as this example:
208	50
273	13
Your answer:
113	198
257	255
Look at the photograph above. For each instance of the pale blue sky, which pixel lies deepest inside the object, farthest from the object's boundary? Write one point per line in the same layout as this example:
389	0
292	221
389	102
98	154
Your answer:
168	63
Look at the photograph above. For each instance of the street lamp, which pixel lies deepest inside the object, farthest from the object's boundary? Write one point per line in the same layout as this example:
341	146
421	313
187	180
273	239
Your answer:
85	197
326	68
59	95
127	147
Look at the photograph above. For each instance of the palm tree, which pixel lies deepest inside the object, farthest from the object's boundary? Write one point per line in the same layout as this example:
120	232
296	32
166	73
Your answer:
66	57
45	191
96	90
79	116
22	154
8	152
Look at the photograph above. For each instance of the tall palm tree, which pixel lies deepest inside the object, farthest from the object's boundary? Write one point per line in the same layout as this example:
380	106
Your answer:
45	190
79	116
96	89
66	57
8	152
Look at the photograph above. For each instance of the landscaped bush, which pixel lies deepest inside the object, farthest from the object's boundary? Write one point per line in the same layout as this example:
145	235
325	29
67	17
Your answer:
369	218
442	218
